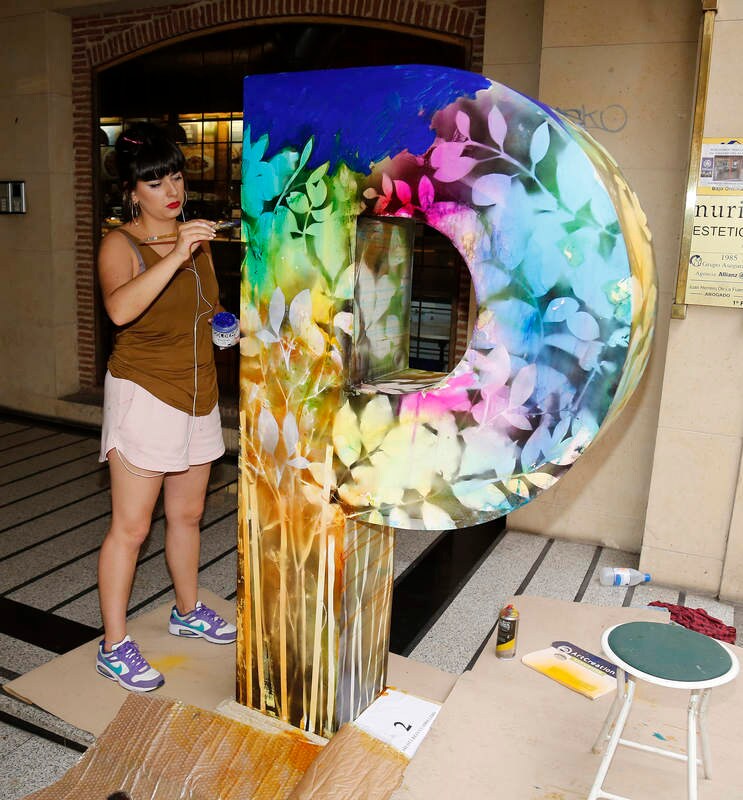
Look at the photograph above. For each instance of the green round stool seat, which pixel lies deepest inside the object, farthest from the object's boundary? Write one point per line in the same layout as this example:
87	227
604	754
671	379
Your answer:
673	657
669	652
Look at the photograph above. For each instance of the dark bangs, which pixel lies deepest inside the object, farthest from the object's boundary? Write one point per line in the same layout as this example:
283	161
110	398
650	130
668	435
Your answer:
156	159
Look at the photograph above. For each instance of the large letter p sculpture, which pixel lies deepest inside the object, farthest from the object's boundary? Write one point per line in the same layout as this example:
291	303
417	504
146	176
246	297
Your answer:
341	443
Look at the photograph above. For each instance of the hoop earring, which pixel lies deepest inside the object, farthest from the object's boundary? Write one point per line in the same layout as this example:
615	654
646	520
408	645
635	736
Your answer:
134	210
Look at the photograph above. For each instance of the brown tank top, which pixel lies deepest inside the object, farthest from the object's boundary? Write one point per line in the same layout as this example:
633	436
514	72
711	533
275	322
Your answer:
156	350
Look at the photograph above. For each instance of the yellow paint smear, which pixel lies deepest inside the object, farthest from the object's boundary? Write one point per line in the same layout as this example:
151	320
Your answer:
168	663
569	679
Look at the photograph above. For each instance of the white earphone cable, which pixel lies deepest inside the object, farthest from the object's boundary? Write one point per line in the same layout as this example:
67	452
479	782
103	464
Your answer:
197	317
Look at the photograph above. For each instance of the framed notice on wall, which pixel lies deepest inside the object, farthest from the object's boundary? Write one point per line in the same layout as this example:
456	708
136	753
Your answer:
715	269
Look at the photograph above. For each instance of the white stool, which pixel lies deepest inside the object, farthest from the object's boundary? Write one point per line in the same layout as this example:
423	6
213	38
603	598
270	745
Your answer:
665	655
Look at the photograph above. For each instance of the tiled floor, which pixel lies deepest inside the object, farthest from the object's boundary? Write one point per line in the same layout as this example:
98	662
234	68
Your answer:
54	505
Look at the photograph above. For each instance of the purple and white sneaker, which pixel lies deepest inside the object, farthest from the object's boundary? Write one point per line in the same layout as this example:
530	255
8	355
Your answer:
203	622
128	667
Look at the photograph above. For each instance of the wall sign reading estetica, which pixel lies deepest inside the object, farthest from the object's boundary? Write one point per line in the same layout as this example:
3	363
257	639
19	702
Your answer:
715	274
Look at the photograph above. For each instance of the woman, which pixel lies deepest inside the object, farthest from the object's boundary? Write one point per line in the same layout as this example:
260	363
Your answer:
161	425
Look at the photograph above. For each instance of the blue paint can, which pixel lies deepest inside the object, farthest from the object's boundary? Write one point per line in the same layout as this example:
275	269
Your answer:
225	330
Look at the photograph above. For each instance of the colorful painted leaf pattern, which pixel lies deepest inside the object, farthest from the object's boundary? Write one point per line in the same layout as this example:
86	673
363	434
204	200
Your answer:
561	262
335	456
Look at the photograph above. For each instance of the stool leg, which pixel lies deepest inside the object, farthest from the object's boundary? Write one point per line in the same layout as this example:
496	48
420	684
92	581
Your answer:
691	745
702	721
609	722
621	719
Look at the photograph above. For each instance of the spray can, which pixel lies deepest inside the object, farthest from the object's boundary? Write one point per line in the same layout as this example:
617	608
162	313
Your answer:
225	329
508	626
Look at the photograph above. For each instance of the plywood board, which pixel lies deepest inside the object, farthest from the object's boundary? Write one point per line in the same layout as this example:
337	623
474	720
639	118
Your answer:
508	731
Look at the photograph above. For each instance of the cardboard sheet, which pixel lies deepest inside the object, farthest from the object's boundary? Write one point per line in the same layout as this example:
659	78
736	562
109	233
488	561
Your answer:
353	765
196	672
508	731
160	749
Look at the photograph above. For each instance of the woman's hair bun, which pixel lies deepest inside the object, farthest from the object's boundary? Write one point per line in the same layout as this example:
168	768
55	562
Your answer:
145	151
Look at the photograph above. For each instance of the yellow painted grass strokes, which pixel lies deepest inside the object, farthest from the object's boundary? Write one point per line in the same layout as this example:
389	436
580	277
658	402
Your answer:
283	565
365	636
380	609
363	542
317	642
301	554
381	606
244	611
345	652
332	649
361	573
350	631
350	599
372	615
305	594
257	596
241	680
367	618
320	601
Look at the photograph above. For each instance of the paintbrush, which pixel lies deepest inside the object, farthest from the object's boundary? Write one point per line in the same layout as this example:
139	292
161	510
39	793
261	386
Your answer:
171	237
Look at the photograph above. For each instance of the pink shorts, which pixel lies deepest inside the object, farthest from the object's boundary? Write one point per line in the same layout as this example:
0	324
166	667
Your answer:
152	435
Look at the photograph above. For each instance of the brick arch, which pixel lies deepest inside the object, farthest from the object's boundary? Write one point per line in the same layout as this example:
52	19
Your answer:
104	39
211	15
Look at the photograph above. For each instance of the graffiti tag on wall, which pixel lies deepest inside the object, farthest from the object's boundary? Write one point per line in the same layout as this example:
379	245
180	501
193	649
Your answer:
611	118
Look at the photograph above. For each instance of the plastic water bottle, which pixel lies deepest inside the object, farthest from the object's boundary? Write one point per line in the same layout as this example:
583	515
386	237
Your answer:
622	576
225	330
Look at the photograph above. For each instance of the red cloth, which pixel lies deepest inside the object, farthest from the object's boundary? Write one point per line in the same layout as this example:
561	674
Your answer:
697	619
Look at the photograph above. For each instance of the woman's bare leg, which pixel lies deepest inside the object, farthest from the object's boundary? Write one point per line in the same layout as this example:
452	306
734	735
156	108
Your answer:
184	494
133	499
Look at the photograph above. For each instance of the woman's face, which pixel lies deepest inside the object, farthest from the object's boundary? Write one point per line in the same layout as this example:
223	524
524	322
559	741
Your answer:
161	198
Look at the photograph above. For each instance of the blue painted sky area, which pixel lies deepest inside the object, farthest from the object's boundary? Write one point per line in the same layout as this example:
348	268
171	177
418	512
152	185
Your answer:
357	116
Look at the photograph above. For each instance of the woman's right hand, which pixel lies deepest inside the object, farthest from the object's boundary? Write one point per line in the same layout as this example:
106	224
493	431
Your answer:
190	235
126	290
